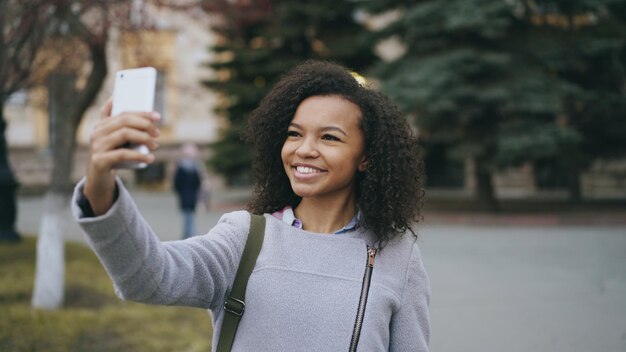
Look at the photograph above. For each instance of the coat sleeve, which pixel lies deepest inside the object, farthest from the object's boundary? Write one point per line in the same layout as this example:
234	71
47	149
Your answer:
410	324
194	272
177	180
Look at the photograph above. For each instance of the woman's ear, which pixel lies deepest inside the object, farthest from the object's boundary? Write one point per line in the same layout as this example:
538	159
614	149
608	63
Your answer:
363	164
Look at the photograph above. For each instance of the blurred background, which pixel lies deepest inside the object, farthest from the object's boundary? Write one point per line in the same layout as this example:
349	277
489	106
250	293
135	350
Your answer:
519	105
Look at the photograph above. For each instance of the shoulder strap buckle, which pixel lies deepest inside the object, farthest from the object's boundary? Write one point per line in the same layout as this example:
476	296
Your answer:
234	306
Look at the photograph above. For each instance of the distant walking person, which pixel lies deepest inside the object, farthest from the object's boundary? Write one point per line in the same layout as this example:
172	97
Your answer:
188	185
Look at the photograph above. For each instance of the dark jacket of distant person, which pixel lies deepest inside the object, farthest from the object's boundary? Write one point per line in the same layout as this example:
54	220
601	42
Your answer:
187	184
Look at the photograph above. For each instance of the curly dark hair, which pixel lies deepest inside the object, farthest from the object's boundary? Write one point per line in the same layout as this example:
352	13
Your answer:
390	190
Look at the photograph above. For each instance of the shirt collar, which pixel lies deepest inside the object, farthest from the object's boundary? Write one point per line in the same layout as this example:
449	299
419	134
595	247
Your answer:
287	216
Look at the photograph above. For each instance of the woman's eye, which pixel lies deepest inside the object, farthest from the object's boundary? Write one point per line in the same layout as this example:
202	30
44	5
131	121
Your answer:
292	134
329	137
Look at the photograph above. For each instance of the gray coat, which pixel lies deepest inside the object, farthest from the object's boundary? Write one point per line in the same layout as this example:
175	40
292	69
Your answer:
302	295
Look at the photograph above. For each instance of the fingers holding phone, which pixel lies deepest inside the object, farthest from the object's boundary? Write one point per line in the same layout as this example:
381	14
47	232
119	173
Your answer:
109	148
124	136
112	137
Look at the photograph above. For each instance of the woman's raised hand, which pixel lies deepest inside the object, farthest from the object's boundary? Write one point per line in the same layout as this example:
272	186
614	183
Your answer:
108	135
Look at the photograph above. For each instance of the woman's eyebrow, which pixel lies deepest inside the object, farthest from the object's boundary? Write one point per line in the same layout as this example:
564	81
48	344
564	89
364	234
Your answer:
323	129
333	128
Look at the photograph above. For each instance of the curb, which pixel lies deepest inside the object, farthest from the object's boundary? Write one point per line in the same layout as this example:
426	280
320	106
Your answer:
527	219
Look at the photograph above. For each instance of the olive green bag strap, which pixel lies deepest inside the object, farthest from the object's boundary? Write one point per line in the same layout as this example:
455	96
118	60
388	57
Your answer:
234	304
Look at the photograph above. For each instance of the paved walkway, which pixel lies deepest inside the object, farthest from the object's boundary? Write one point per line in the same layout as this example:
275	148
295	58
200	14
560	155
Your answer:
541	283
527	288
159	208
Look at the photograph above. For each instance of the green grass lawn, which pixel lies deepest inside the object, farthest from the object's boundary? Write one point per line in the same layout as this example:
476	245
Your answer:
93	318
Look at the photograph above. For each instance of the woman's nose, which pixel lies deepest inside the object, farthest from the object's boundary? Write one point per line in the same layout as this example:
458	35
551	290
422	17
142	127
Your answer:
307	149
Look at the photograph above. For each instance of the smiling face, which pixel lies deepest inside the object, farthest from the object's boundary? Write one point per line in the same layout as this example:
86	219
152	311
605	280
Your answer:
325	147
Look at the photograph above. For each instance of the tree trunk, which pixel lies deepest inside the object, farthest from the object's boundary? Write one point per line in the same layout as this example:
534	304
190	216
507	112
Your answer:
484	186
50	269
574	184
8	187
49	278
67	107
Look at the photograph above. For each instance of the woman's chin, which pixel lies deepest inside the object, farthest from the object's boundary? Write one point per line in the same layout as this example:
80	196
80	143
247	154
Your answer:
304	192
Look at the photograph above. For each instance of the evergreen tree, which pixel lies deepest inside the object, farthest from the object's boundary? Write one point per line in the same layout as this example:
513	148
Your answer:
260	41
240	79
582	42
469	80
592	56
492	79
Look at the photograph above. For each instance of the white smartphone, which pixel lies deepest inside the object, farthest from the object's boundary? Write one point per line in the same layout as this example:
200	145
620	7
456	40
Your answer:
134	91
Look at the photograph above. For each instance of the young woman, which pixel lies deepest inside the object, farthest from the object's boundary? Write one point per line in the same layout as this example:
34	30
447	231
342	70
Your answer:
339	180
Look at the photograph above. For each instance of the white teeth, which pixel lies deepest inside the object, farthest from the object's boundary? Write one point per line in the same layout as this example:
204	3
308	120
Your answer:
307	170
